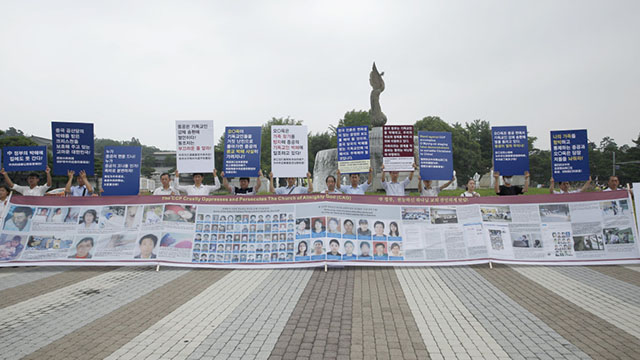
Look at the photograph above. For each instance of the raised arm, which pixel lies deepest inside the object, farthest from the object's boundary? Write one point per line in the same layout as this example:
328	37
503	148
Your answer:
382	177
447	183
310	182
225	183
526	182
586	185
67	188
86	182
258	182
216	181
177	183
272	189
419	184
7	179
415	167
48	172
552	185
496	181
370	179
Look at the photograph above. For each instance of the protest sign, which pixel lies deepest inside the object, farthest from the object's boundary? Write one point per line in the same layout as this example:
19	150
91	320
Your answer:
242	151
569	155
289	152
353	149
24	158
397	147
510	150
72	147
194	146
436	155
121	170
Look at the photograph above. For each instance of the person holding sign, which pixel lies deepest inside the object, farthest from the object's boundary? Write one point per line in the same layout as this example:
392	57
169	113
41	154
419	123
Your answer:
4	198
355	188
291	187
395	188
471	189
166	188
612	184
198	188
507	189
244	188
82	189
331	185
564	187
33	189
428	190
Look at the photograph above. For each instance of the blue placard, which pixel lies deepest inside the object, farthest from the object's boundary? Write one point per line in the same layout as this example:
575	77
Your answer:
510	150
121	170
353	149
436	155
569	155
242	151
72	147
24	158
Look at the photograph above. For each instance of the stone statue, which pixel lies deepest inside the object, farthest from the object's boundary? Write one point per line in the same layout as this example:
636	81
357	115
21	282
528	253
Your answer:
378	118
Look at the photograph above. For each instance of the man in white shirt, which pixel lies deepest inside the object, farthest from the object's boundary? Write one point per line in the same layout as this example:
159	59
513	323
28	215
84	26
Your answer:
291	187
355	188
612	184
244	188
198	188
564	187
425	188
82	189
33	189
331	185
166	188
395	188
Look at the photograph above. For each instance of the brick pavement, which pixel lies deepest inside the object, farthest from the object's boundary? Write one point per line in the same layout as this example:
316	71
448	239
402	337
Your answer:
472	312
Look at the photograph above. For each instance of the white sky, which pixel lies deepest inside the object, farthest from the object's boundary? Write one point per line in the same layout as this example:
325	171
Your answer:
133	67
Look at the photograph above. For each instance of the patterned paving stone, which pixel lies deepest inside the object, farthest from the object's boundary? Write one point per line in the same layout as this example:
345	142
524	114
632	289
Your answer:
320	324
447	327
620	273
34	323
12	277
518	331
29	289
591	334
619	289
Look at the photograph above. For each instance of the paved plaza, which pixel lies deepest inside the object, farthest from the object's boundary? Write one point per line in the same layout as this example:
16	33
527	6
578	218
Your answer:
516	312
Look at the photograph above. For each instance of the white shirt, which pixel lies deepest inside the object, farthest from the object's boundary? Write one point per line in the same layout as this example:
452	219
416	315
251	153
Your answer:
558	192
335	191
432	192
161	191
395	189
3	206
27	191
288	190
79	191
202	190
468	194
358	190
609	189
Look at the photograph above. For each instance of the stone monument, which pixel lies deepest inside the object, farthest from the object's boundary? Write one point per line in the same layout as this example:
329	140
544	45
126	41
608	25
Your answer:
378	118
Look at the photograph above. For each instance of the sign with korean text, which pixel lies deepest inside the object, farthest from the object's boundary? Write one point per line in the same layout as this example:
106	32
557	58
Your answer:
289	151
242	151
436	155
353	149
72	147
194	146
397	147
121	170
569	155
510	150
24	158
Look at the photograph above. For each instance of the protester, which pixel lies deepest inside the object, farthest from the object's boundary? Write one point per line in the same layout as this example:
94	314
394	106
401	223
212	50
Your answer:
331	185
425	188
198	188
166	188
5	191
83	188
291	187
355	188
244	188
613	184
508	189
33	189
395	188
471	187
564	187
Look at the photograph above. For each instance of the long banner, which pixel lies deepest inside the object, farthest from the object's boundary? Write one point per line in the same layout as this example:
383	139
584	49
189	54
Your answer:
318	229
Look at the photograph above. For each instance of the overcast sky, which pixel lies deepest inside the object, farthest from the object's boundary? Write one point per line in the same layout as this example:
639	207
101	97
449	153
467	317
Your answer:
134	67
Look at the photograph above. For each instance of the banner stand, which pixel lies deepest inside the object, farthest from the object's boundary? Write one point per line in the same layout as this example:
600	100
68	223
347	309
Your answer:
490	265
158	267
325	267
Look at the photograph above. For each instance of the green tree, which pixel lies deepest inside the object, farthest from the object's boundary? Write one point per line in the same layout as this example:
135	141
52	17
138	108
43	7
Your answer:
480	132
353	118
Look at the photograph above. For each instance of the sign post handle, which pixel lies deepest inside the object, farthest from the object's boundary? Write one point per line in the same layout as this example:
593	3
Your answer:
325	267
490	265
158	267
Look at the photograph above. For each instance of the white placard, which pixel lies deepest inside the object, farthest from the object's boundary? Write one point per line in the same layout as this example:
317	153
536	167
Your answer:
194	146
289	151
636	187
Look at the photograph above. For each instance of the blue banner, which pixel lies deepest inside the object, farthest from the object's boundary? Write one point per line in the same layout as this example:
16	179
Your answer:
436	155
569	155
510	150
121	170
24	158
72	147
353	149
242	151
